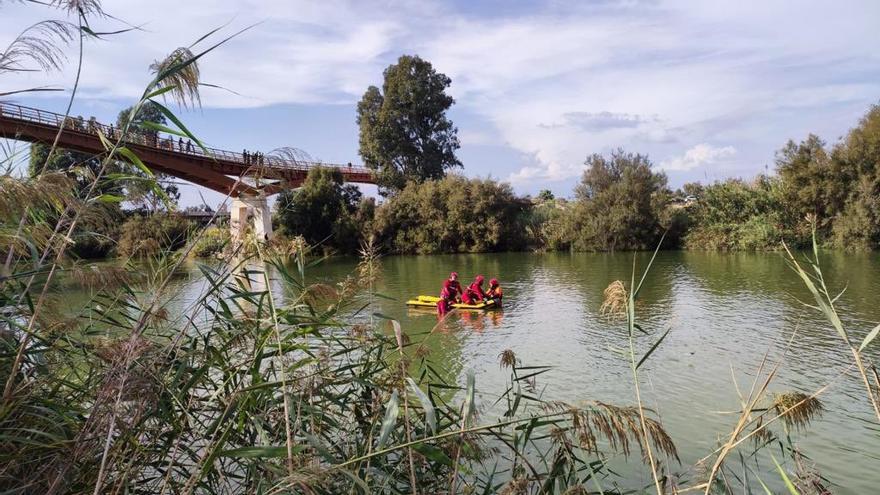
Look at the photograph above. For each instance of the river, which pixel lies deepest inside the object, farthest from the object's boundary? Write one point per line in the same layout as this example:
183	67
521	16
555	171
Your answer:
724	312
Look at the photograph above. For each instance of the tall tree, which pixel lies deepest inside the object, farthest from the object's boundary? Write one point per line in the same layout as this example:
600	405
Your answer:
404	132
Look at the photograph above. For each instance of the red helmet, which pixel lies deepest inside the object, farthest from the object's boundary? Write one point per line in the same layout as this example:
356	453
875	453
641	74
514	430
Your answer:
453	275
494	281
479	279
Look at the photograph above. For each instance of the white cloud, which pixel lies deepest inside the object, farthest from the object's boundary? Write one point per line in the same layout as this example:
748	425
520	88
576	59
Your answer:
699	155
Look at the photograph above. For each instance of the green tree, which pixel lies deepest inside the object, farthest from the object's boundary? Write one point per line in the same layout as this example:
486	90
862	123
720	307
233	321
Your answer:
322	210
98	227
694	189
452	215
856	160
735	215
404	132
621	204
810	184
142	193
546	195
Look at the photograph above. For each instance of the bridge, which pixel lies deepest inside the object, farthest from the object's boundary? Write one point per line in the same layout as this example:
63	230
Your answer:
247	179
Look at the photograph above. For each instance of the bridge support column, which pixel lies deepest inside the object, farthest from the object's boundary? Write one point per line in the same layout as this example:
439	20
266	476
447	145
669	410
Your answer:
248	208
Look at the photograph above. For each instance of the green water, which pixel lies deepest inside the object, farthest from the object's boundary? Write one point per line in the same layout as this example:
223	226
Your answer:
725	312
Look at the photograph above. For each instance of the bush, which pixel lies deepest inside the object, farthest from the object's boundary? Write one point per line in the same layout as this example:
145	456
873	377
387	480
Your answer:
452	215
211	243
322	211
621	205
738	216
96	232
148	235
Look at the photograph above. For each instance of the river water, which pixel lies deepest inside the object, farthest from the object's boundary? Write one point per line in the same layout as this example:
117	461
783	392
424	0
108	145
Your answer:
724	312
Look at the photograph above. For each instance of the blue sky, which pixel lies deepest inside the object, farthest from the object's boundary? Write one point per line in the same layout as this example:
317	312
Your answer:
707	90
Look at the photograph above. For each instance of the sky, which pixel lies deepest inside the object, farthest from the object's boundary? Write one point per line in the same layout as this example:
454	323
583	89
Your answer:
708	90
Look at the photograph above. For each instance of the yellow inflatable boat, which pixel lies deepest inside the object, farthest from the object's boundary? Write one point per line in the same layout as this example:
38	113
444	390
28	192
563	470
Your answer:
431	301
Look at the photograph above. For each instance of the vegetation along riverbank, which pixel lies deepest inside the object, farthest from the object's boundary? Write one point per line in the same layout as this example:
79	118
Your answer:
620	204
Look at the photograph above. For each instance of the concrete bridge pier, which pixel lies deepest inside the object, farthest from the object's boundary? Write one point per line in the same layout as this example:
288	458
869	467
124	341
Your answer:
250	208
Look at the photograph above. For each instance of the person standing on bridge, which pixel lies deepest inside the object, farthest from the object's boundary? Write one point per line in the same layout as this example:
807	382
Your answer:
180	144
244	156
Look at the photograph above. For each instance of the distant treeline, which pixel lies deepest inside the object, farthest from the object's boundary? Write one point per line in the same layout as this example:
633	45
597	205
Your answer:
621	203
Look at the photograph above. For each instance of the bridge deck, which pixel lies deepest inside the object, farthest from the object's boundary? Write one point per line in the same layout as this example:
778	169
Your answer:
217	169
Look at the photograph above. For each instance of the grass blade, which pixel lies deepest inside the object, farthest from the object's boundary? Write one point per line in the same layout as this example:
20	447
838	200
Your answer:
870	337
653	348
430	414
392	410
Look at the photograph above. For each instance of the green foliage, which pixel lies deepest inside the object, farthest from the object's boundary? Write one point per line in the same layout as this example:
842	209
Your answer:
810	183
212	242
542	223
734	215
452	215
83	168
94	236
149	112
404	132
857	160
620	205
323	211
150	235
97	231
546	195
840	190
141	192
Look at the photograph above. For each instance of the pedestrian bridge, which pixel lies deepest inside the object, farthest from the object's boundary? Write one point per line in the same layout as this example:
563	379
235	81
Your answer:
247	180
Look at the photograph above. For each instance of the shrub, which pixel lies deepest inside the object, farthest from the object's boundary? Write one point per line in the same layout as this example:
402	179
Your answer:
147	235
96	233
734	215
212	242
452	215
620	205
322	211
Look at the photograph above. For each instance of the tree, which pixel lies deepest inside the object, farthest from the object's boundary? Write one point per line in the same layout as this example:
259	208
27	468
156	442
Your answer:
734	215
694	189
856	160
404	132
621	203
452	215
142	193
97	228
810	184
322	210
546	195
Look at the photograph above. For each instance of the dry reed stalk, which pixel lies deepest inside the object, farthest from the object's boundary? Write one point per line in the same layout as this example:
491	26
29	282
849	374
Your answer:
614	304
749	404
399	335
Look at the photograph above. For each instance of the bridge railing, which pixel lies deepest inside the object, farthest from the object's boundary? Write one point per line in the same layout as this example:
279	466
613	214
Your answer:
156	139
